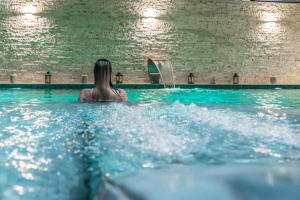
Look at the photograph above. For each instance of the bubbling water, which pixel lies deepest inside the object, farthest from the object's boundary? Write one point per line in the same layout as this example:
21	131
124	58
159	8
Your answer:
150	136
45	145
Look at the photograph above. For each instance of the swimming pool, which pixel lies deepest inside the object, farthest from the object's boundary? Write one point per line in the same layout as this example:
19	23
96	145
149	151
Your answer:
52	147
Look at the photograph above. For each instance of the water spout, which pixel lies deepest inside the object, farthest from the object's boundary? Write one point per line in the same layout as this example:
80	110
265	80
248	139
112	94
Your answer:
165	70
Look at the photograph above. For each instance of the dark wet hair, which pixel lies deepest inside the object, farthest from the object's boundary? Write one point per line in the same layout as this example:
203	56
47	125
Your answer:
102	70
102	77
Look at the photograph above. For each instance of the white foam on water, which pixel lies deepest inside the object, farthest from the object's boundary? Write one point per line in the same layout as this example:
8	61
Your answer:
159	133
46	143
246	124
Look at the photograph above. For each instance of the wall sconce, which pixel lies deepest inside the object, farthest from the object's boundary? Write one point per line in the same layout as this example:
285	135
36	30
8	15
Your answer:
236	79
48	77
191	78
273	80
12	78
119	78
84	79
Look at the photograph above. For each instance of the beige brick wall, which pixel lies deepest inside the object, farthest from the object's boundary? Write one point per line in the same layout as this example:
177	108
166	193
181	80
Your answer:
209	38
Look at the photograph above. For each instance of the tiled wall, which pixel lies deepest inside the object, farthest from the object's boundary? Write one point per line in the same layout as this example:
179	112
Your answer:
209	38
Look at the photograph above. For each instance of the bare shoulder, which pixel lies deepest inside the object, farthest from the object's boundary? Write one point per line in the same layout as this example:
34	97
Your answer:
123	94
122	91
85	95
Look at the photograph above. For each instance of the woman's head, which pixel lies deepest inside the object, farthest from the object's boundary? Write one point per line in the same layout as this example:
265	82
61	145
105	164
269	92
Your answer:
102	73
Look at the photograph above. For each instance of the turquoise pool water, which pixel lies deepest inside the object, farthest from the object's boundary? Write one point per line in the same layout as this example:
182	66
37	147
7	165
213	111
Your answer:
52	147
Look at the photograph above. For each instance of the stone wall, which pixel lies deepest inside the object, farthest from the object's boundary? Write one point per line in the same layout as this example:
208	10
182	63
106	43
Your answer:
209	38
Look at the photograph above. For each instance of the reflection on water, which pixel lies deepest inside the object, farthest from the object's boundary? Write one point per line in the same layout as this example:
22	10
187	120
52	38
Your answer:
273	105
54	142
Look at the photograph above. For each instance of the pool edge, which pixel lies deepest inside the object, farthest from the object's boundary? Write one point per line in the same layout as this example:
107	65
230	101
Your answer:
148	86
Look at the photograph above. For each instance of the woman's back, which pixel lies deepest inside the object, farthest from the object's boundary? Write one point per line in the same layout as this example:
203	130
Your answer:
103	90
95	95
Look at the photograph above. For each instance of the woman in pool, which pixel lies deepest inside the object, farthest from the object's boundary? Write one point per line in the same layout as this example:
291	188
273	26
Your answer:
103	90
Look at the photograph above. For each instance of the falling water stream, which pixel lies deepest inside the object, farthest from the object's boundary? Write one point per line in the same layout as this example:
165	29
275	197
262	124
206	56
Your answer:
166	71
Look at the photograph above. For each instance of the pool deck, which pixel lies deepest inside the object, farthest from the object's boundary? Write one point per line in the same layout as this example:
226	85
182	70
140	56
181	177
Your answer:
148	86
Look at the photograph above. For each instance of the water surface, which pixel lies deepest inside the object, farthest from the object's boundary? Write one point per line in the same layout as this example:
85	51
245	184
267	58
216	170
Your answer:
55	148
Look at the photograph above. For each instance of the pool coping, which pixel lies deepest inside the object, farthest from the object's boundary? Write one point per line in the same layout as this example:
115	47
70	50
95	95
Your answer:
148	86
